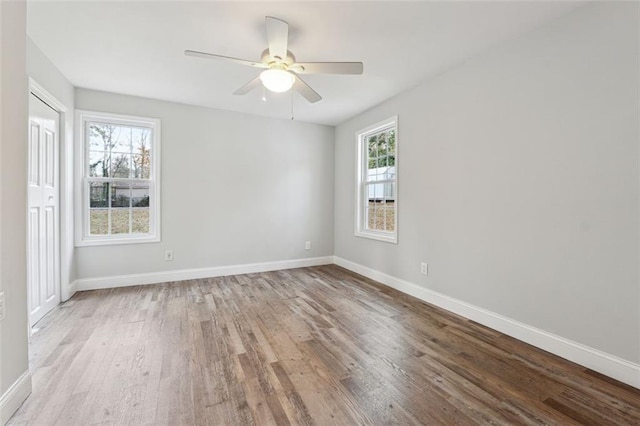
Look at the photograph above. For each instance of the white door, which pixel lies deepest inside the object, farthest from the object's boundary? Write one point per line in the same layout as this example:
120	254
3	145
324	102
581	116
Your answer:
43	221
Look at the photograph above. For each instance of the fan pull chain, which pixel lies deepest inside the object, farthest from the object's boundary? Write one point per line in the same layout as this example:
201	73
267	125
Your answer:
264	94
292	104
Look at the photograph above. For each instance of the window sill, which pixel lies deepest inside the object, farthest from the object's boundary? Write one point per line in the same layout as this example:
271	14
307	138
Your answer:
379	236
89	242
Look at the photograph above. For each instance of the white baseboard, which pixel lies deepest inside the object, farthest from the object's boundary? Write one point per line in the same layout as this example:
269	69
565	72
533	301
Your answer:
14	397
602	362
73	288
192	274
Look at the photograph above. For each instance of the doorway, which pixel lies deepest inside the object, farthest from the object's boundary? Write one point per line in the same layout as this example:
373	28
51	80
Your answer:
43	220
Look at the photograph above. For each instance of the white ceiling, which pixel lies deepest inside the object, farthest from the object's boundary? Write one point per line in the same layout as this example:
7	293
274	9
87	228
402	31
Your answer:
137	48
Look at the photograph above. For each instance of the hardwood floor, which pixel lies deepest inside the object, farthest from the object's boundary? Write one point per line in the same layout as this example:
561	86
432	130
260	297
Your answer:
305	346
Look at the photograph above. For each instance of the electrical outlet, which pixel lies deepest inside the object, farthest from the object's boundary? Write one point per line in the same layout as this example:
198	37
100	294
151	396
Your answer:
424	268
168	255
1	306
307	245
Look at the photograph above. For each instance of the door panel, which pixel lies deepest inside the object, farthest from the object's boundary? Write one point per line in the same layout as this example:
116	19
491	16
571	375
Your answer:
49	158
34	259
44	223
50	253
34	153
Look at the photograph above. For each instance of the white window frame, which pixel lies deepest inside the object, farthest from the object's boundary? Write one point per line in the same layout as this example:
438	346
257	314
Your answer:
83	237
361	178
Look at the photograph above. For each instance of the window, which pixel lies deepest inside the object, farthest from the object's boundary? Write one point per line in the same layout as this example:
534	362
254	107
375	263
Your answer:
119	190
377	202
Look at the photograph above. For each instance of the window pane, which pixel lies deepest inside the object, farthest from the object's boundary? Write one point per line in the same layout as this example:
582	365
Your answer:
140	221
390	191
120	165
116	138
142	165
390	216
372	143
371	216
375	191
381	155
391	172
122	218
98	221
140	195
101	136
120	195
122	139
376	218
120	221
391	151
98	164
381	173
380	208
372	171
98	194
141	139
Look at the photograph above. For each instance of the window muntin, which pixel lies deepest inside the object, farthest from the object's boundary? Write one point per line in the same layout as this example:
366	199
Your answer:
120	193
377	181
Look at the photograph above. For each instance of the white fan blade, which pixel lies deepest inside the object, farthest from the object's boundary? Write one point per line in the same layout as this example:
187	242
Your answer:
328	67
306	91
248	87
224	58
277	36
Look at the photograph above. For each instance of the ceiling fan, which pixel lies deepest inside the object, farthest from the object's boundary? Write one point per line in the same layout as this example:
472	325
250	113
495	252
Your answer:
280	67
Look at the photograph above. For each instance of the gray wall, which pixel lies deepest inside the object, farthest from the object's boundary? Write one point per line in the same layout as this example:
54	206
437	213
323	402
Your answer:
518	181
14	360
236	189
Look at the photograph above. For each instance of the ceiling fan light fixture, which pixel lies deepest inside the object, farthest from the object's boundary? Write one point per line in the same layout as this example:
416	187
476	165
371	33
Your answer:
277	80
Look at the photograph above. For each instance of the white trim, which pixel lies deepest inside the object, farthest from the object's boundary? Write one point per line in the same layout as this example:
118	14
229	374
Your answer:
359	228
192	274
380	236
82	237
73	288
602	362
14	397
45	96
65	167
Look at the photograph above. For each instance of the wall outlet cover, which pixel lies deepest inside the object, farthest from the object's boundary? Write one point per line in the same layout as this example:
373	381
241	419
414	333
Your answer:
424	268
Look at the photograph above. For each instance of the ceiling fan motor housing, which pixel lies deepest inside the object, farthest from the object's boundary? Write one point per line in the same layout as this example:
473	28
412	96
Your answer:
277	62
